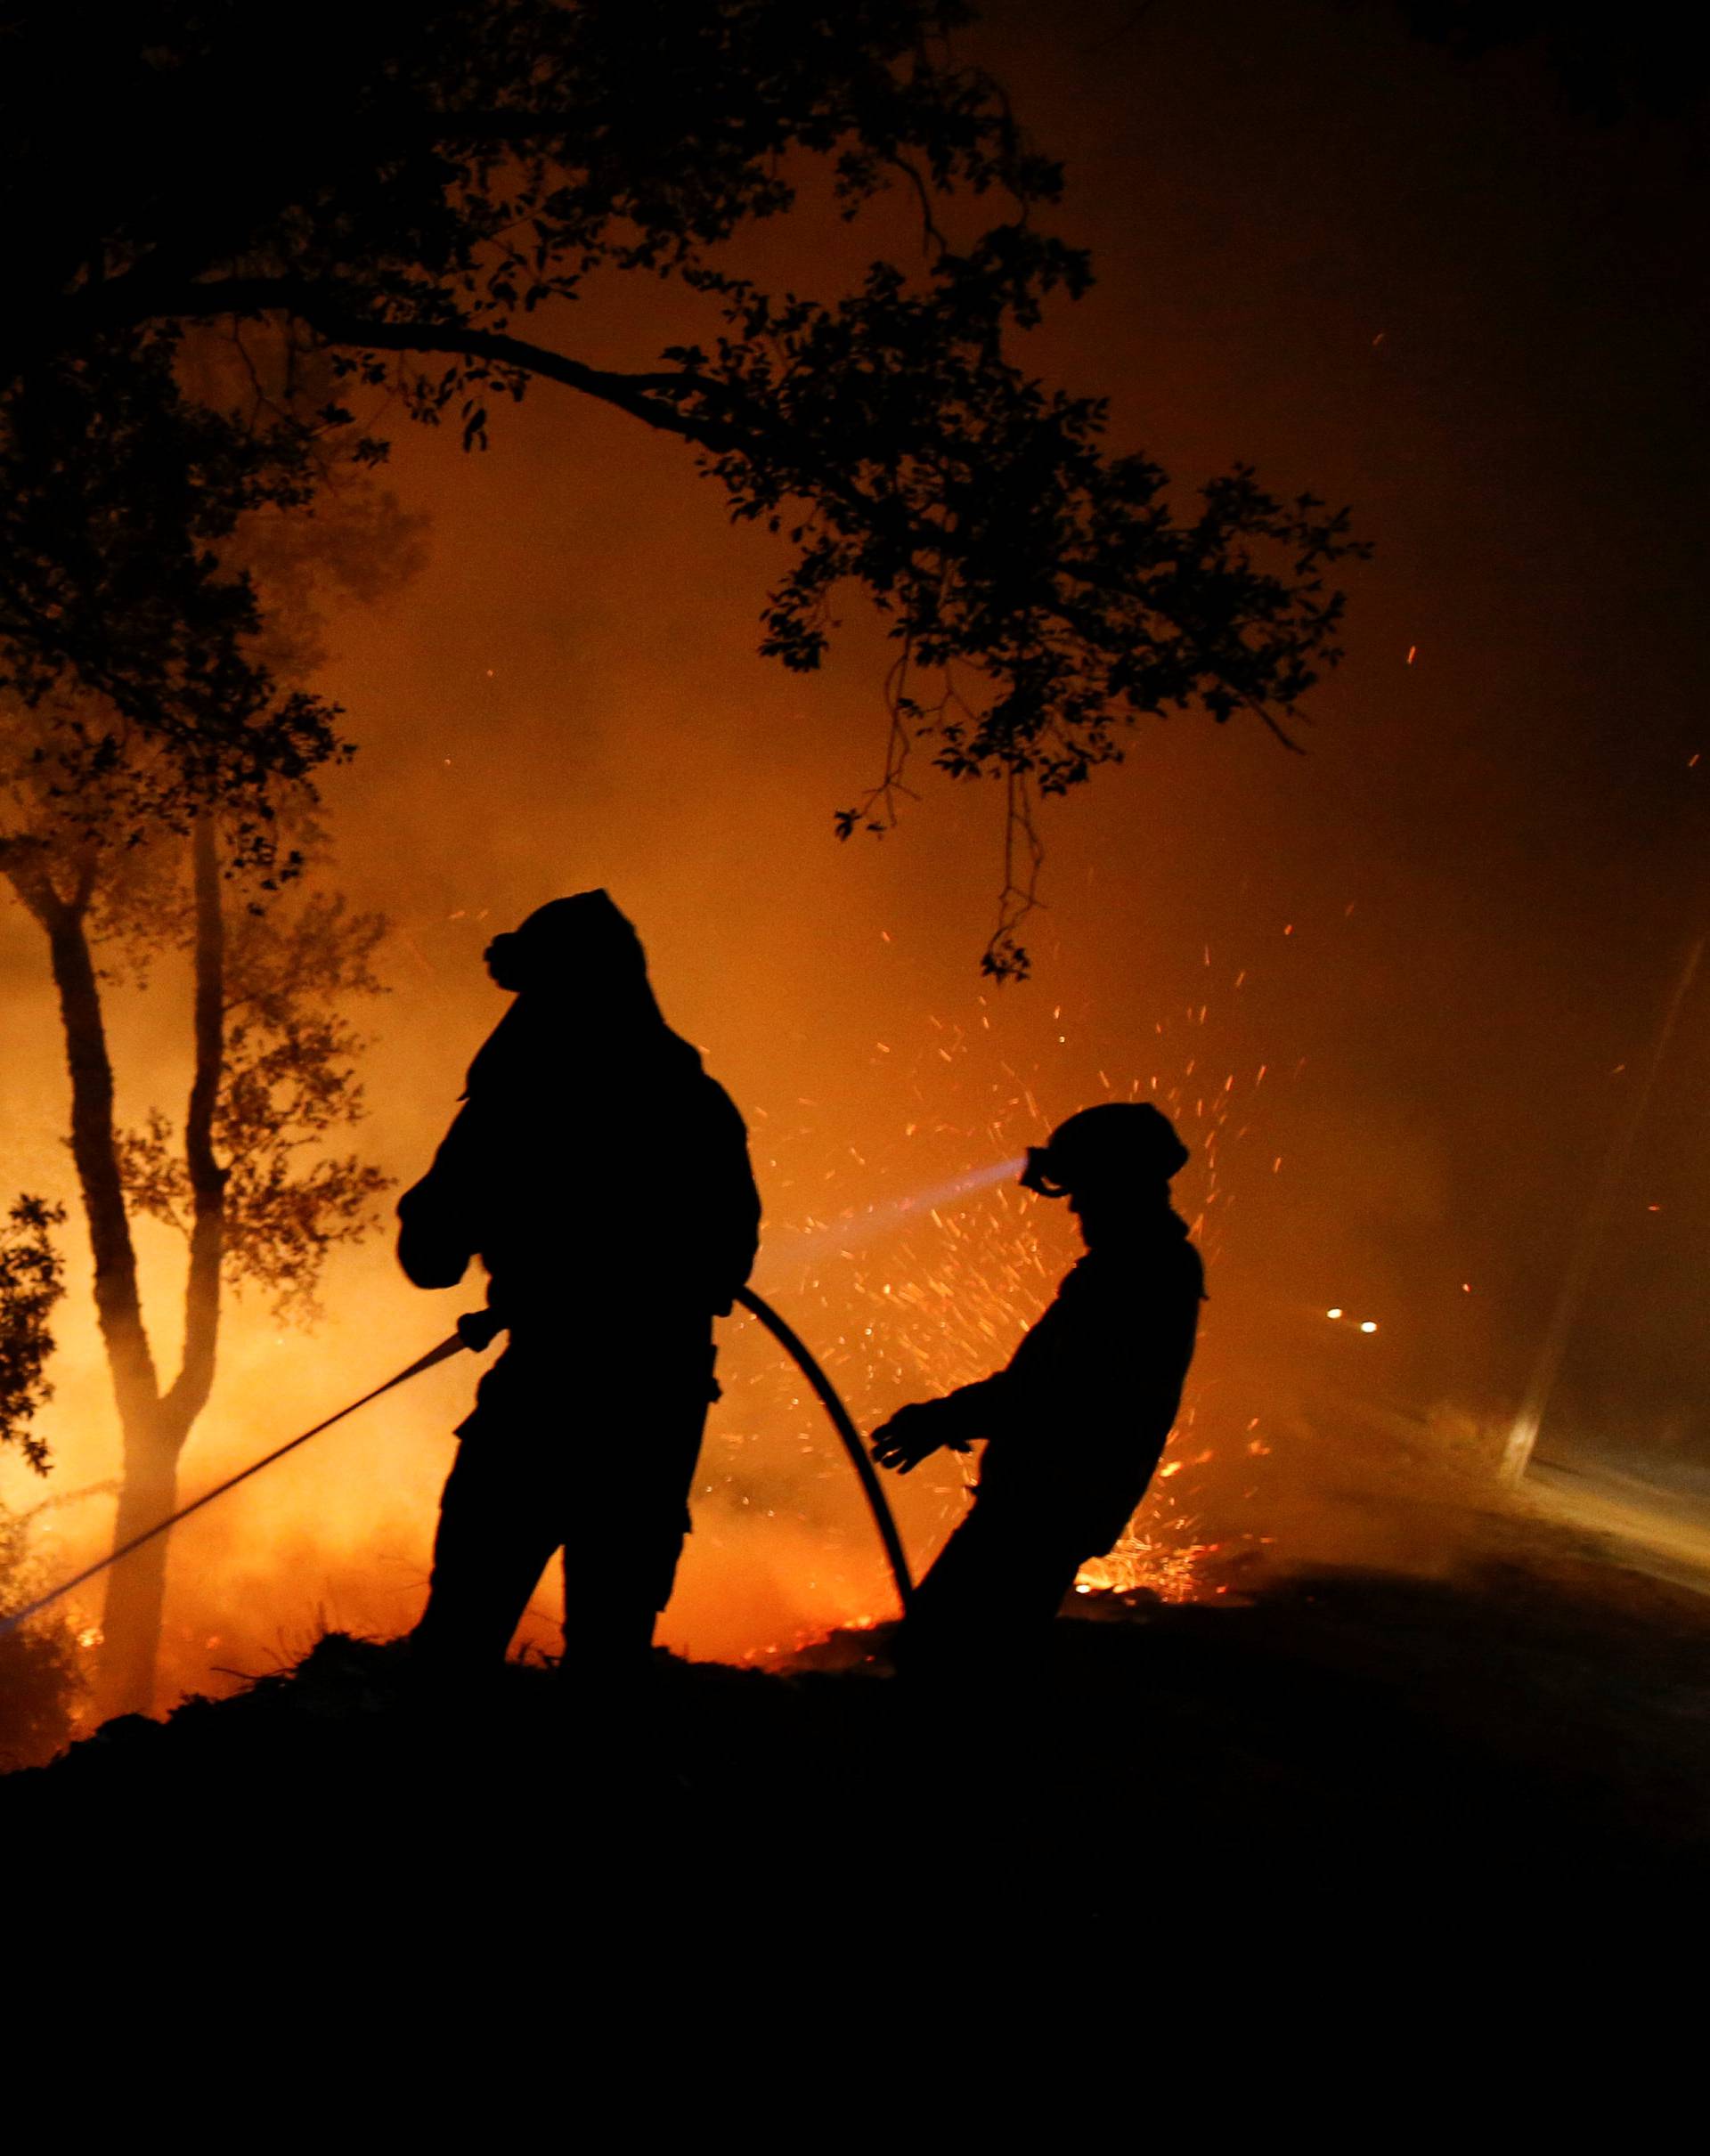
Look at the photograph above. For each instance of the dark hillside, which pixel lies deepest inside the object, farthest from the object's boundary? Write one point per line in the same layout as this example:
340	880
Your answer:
1369	1749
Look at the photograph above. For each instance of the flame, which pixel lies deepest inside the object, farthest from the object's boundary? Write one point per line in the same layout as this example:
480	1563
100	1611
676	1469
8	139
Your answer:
910	1260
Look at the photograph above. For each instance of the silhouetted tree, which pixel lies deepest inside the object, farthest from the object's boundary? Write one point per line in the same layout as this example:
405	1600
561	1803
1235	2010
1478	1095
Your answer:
121	860
247	1175
432	195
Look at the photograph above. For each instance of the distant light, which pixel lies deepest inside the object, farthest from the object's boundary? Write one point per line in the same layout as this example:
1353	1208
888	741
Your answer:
1367	1326
1332	1313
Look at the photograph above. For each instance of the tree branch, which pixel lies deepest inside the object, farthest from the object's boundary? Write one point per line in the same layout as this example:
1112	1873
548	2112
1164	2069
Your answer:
330	314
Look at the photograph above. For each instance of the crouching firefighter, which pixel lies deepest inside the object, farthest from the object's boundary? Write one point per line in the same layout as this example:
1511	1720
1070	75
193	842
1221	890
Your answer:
1074	1427
603	1180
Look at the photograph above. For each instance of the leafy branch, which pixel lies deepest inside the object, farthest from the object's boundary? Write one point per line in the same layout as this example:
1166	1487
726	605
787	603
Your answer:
32	1280
287	1087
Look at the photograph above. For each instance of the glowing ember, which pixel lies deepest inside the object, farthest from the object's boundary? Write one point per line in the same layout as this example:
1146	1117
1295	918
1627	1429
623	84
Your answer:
1154	1564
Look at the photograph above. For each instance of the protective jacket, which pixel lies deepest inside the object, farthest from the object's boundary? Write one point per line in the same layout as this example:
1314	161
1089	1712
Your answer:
1076	1421
602	1178
583	1187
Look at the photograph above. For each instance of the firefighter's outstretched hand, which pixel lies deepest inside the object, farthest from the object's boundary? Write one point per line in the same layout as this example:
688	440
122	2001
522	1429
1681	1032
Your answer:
915	1432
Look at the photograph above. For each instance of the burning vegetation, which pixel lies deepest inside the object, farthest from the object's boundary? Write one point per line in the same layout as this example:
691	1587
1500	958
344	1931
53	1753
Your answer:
1396	994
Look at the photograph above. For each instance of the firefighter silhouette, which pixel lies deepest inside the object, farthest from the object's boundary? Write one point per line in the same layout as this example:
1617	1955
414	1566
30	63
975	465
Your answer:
603	1179
1075	1425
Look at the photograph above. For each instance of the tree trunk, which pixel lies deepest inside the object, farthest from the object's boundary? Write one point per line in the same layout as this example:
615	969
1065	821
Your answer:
136	1589
155	1426
117	1304
208	1178
131	1615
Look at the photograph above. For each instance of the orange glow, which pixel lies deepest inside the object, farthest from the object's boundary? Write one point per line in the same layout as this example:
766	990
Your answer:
569	695
782	1553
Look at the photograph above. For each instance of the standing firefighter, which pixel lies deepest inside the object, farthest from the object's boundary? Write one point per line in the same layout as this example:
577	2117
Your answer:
602	1178
1075	1425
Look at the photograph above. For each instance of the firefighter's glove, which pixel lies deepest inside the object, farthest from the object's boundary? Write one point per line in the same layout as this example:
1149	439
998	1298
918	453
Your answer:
916	1432
479	1328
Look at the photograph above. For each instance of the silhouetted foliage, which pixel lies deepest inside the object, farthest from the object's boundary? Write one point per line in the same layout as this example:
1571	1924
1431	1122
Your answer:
117	619
287	1083
40	1675
429	198
32	1280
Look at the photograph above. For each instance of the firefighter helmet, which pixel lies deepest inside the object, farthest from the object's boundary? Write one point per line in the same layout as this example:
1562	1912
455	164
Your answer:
563	939
1117	1142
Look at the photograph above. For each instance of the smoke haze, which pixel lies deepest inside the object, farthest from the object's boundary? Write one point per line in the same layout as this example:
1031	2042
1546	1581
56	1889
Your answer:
1393	989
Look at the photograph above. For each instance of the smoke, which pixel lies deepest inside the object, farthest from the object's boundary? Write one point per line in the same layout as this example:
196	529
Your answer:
1393	990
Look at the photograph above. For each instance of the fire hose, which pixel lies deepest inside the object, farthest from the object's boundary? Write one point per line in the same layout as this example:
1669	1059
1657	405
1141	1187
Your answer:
475	1330
882	1519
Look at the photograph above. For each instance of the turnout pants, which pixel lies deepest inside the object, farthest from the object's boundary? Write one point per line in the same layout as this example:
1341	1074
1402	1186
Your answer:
990	1594
601	1473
